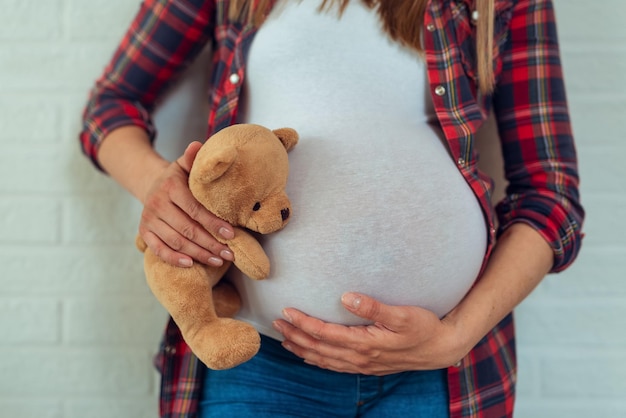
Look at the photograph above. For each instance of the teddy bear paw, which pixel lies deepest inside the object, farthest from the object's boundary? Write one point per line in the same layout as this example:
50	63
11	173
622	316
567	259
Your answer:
226	344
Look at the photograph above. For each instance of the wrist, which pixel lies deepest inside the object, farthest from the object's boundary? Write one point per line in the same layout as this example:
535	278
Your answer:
463	334
127	155
151	167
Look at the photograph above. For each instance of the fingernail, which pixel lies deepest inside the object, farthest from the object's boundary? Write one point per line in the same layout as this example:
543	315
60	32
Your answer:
215	261
185	262
227	255
287	347
277	326
286	315
352	300
226	233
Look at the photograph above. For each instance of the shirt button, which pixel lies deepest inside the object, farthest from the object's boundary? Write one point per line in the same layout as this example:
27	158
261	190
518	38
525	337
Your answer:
170	350
430	27
234	78
461	162
475	16
492	230
440	90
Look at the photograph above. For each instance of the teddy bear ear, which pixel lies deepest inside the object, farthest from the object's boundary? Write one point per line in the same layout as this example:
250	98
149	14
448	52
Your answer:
217	163
288	136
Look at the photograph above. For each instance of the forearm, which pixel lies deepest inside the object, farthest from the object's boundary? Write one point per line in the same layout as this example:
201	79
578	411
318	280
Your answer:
127	155
519	262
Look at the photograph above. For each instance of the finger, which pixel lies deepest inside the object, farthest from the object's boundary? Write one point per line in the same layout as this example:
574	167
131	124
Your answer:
351	337
315	359
175	248
392	317
195	233
184	199
161	250
179	208
186	160
340	359
314	350
197	212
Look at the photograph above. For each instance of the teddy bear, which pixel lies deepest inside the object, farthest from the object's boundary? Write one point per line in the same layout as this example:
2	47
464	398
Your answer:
240	175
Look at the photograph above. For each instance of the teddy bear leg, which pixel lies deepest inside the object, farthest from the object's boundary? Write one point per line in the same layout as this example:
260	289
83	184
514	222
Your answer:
225	344
187	294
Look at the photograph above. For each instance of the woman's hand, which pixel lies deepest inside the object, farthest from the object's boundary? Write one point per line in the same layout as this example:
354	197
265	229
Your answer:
175	225
401	338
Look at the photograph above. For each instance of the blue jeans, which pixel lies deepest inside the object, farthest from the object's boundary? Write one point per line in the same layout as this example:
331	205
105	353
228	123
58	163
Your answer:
276	383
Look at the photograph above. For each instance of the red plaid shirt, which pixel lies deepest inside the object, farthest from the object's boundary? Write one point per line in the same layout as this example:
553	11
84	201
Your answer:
530	107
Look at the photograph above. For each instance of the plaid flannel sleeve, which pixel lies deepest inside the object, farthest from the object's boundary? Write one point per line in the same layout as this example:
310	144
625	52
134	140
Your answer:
163	39
537	142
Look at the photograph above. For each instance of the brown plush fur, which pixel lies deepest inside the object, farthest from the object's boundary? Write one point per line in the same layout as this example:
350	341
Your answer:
240	175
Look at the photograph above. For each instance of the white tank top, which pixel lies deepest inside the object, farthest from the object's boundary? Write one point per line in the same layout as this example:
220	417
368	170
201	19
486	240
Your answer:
379	207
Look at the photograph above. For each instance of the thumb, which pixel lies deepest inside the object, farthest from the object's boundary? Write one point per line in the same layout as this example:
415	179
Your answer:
186	160
366	307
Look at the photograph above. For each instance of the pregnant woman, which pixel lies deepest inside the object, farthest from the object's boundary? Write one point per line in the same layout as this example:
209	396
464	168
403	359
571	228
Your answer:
392	287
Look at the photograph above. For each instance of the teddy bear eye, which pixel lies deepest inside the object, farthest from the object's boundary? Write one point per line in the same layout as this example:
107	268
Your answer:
257	206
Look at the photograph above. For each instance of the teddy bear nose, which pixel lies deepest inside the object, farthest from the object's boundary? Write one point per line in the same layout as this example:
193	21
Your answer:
284	213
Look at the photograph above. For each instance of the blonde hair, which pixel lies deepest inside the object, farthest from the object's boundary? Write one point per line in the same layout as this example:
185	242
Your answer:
399	19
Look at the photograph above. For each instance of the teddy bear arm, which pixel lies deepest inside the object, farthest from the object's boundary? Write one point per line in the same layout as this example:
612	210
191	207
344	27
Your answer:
250	257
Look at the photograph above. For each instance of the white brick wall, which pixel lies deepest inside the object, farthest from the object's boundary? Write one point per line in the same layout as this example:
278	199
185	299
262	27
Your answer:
78	324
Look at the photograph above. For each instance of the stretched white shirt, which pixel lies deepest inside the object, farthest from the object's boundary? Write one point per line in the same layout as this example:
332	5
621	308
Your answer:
379	207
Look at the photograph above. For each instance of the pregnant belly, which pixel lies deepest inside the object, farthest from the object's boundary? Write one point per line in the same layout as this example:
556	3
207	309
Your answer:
405	230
